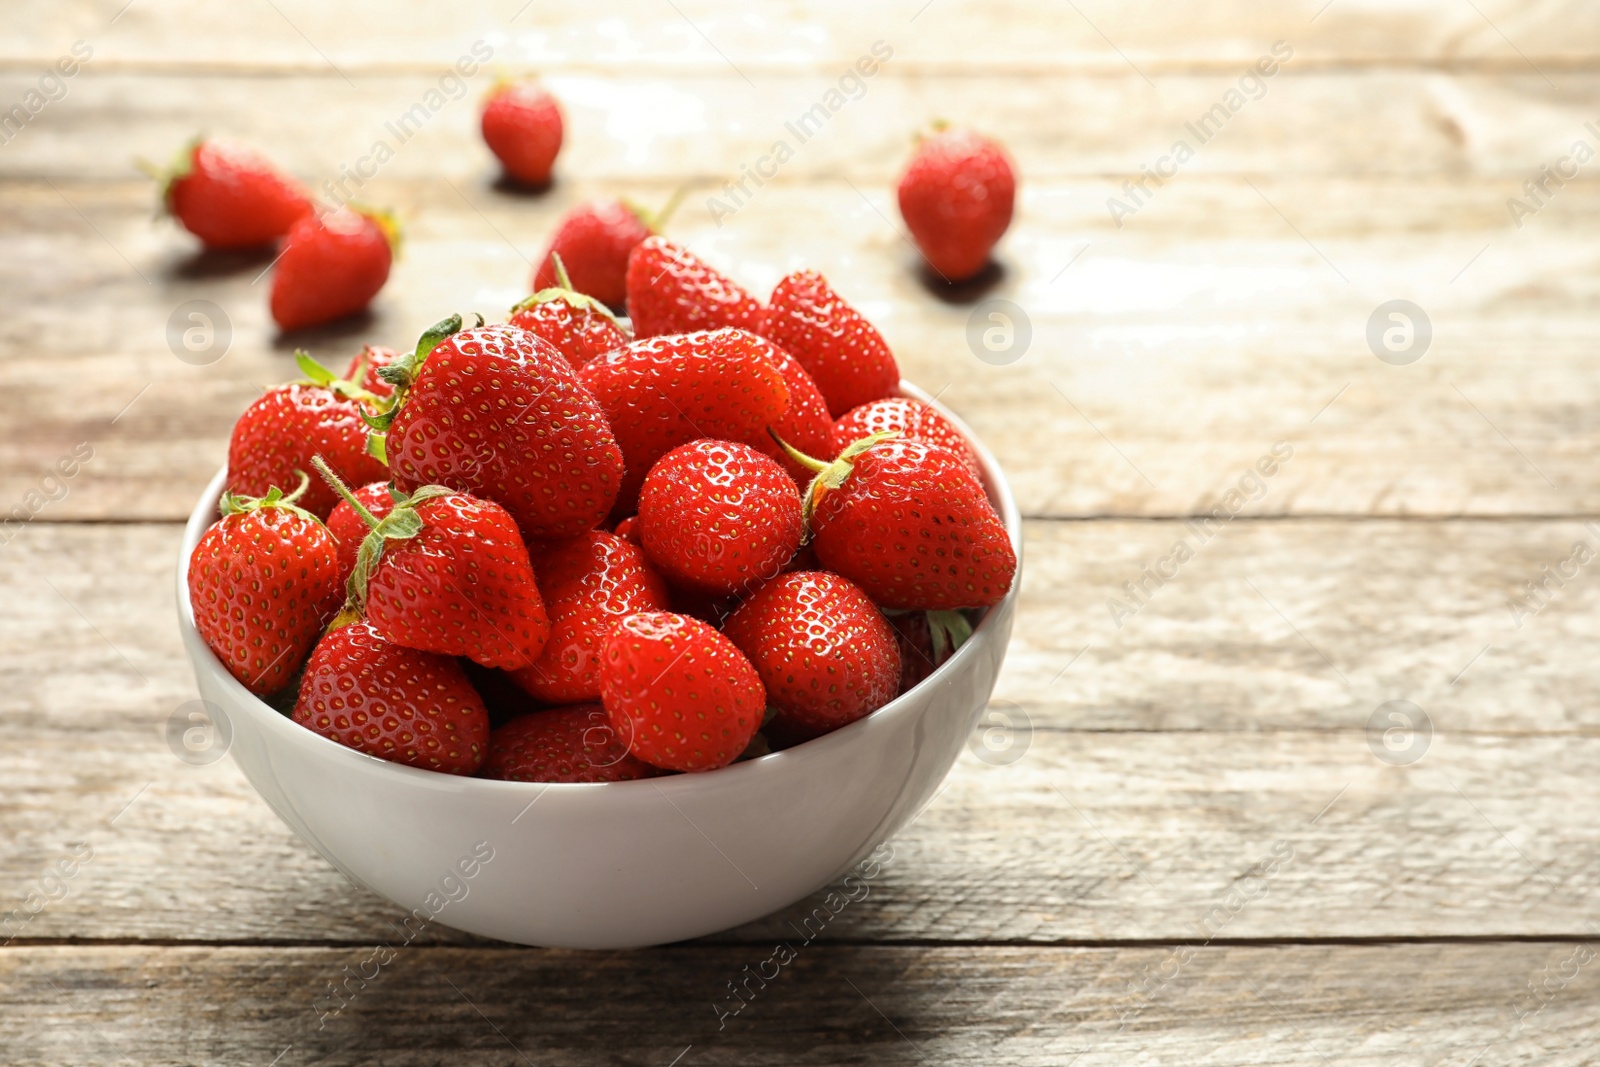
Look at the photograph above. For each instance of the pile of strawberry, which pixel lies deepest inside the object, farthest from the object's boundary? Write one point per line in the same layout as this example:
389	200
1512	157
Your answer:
557	549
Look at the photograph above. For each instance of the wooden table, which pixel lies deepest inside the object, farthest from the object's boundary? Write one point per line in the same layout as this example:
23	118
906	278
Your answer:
1199	840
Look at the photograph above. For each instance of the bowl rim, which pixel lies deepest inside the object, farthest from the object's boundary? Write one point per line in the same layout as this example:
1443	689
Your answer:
271	720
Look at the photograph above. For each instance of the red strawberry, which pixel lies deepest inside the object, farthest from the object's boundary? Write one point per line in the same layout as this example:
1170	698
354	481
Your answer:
628	529
574	744
393	702
263	581
497	412
719	516
275	438
911	419
588	583
824	652
229	196
522	126
806	419
910	525
671	290
844	353
350	529
594	240
577	326
446	572
681	695
332	267
366	366
927	639
662	392
956	197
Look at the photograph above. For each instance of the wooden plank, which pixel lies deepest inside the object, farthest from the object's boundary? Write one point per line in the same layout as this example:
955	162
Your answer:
1165	361
948	36
1365	1006
1128	834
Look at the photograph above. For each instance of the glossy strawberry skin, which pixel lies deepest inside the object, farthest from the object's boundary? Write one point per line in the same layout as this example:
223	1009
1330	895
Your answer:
671	290
571	744
680	693
330	267
522	126
661	392
956	196
912	527
719	516
463	586
349	529
367	363
805	425
231	197
578	333
909	417
279	433
628	529
588	583
263	584
824	652
392	702
594	241
497	412
844	353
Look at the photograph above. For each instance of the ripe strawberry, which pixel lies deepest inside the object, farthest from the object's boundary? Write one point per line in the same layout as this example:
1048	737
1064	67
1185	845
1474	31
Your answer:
366	367
927	639
588	583
681	695
671	290
393	702
805	420
628	529
579	327
662	392
594	240
911	419
522	126
844	353
910	525
824	652
263	581
497	412
446	572
230	196
719	516
956	196
574	744
349	529
275	438
332	267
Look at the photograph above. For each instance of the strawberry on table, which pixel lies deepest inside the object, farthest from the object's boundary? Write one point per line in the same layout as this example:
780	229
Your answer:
671	290
332	266
230	196
496	411
594	240
448	573
263	582
588	583
678	692
956	196
522	126
349	529
719	516
661	392
579	327
910	418
824	652
572	744
273	441
910	525
844	353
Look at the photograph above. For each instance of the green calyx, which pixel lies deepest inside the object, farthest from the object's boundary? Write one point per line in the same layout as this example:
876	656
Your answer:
349	388
949	631
654	221
182	166
830	475
401	374
400	524
564	291
233	504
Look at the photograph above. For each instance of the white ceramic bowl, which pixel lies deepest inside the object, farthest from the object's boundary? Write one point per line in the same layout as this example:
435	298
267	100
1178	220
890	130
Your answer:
618	864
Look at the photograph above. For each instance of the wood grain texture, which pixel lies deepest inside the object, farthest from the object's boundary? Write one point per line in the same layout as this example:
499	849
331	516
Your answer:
1367	1006
1101	834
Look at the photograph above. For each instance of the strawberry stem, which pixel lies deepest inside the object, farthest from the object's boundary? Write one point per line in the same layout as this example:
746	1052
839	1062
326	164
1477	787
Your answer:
815	466
233	504
829	475
561	271
344	492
